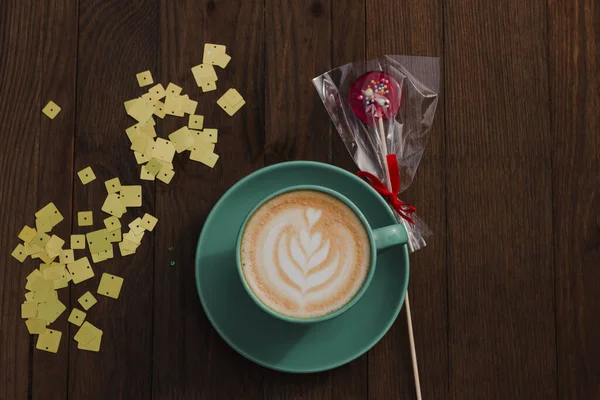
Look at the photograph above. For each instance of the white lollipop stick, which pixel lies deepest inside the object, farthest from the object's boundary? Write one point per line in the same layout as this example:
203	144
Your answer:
411	336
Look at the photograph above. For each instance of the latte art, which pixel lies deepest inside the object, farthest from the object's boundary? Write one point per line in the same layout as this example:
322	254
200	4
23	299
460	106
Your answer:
305	254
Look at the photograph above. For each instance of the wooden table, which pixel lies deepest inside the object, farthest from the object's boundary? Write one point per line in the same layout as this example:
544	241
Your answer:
505	298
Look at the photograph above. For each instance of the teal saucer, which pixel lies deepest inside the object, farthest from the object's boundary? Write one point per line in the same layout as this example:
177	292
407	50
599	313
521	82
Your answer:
274	343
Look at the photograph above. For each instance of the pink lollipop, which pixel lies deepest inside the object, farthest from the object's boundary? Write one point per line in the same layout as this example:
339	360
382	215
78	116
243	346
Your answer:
375	95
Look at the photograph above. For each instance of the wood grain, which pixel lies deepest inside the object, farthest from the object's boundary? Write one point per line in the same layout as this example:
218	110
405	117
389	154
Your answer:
58	56
20	122
349	381
190	359
501	269
116	41
390	370
574	86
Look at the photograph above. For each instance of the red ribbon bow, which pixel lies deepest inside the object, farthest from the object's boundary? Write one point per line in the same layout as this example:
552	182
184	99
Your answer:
404	209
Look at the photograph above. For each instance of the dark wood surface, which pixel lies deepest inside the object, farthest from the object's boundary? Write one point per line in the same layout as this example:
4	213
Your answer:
504	297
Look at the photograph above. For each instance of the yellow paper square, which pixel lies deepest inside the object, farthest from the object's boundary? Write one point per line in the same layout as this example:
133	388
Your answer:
124	250
51	110
27	234
208	86
203	73
149	99
190	107
141	110
174	105
157	91
211	51
35	326
77	316
130	103
113	185
115	236
78	242
112	223
196	122
98	241
98	257
136	226
67	256
86	175
163	150
144	78
44	256
92	345
49	340
173	89
148	131
85	218
165	175
150	148
28	310
231	102
206	158
50	212
43	224
131	196
222	60
182	139
141	158
149	222
53	272
51	310
210	135
19	253
55	243
31	249
110	285
154	166
145	175
113	205
159	109
80	270
139	143
87	333
87	300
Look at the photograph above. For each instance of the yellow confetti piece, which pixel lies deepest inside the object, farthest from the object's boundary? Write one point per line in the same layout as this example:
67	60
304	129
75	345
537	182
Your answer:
204	73
231	102
86	175
113	185
157	92
51	110
131	196
136	226
51	310
43	224
113	205
67	256
154	166
208	86
55	243
163	150
173	89
85	218
93	345
115	236
112	223
97	241
77	316
80	270
50	212
141	158
159	109
182	139
140	110
110	285
28	310
19	253
174	105
49	340
196	122
144	78
35	326
27	234
205	157
165	175
87	300
149	222
78	242
211	52
210	135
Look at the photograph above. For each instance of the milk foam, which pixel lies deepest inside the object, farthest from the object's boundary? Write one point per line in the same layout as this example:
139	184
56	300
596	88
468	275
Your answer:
305	254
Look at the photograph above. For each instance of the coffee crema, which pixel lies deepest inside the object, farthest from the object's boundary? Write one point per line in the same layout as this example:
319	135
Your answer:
305	253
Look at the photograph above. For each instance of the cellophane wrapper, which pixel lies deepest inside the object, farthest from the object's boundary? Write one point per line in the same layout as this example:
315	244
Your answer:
405	134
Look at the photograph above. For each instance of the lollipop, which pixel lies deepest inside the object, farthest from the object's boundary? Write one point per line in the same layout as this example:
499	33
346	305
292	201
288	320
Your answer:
375	97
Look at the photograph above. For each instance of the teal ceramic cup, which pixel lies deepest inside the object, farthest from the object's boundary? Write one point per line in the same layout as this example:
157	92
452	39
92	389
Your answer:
379	240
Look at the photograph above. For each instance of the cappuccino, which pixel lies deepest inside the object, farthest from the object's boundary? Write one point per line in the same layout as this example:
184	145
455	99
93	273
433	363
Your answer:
305	253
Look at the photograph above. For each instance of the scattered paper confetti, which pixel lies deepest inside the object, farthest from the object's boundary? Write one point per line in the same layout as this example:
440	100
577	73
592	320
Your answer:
110	285
86	175
77	317
51	110
144	78
49	340
231	102
87	300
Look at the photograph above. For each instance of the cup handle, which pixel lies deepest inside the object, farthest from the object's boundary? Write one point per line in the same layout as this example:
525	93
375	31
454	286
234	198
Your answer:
389	236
